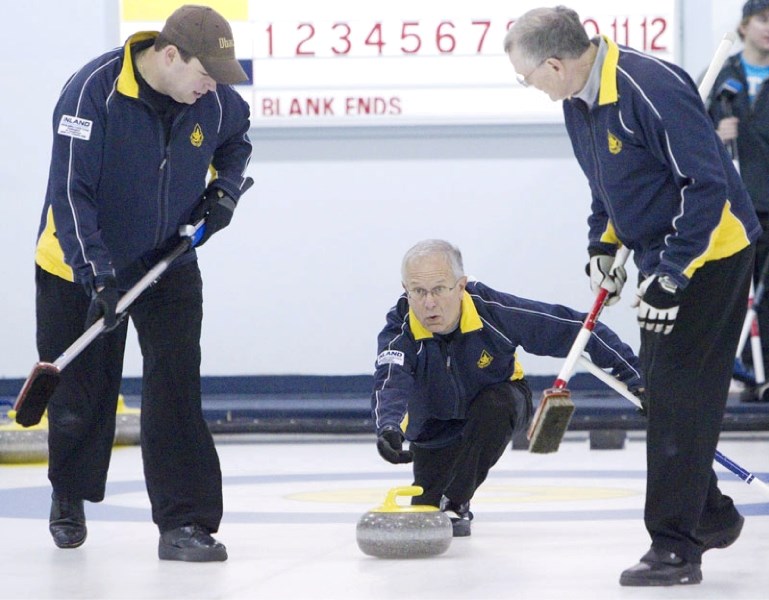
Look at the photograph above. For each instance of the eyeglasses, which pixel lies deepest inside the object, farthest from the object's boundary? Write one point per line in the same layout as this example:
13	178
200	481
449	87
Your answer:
439	291
523	80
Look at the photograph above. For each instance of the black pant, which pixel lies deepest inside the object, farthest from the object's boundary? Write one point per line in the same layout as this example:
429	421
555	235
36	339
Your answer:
687	376
458	469
181	466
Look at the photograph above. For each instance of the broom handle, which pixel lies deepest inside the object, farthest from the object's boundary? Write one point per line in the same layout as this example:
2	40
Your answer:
750	324
720	56
125	301
621	387
583	337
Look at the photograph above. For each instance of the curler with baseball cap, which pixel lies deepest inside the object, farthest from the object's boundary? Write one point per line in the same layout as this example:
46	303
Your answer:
203	33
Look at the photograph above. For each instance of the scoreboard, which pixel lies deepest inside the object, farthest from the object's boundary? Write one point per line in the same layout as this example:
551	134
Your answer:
315	63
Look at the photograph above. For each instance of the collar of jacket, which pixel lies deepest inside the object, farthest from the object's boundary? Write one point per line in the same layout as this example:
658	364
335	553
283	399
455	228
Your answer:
608	92
126	81
468	321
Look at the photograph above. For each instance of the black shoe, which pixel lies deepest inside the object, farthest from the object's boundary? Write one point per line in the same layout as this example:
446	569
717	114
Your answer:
749	393
460	516
190	543
67	522
661	567
721	538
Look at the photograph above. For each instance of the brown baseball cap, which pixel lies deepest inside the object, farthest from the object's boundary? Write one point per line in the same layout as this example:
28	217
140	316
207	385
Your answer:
206	35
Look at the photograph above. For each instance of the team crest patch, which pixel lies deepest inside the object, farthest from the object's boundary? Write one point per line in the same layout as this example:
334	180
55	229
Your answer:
390	357
196	137
615	145
75	127
485	360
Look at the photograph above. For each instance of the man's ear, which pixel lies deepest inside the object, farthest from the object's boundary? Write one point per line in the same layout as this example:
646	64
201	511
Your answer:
170	53
556	65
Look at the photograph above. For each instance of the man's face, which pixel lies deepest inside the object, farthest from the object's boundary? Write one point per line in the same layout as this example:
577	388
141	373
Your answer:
187	82
548	76
434	294
756	32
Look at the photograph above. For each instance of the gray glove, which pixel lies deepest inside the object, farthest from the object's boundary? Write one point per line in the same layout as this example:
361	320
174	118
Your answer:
603	276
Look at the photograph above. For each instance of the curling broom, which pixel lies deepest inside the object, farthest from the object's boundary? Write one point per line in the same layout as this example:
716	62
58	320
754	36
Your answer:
32	401
551	420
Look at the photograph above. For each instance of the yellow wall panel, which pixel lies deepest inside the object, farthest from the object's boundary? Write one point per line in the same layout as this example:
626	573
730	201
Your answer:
158	10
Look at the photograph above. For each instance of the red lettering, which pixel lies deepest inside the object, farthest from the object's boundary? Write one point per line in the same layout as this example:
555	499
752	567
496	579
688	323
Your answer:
372	105
313	106
271	107
308	107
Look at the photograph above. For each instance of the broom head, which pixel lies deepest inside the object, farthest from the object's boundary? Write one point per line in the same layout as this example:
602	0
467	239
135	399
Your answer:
32	400
551	420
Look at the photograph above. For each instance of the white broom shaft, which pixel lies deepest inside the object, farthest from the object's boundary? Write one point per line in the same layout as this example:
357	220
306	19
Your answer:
583	337
146	281
747	325
758	354
722	52
609	380
620	387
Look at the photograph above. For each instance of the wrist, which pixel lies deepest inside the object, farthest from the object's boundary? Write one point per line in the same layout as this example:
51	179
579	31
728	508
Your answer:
99	282
388	428
667	284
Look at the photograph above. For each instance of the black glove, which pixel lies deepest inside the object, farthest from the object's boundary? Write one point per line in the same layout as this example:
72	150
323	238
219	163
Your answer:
657	300
104	301
217	208
389	443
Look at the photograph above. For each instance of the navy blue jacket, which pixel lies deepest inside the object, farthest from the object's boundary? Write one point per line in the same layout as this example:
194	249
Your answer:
117	189
662	182
431	377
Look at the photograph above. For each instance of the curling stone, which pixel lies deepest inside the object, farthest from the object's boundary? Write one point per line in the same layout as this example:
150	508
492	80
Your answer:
395	531
23	444
126	424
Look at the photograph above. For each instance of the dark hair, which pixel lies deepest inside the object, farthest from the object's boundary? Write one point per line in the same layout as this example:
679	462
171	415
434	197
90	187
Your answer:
162	41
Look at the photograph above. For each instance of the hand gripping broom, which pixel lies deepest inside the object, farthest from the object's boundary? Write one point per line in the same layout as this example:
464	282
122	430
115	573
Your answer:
554	412
556	407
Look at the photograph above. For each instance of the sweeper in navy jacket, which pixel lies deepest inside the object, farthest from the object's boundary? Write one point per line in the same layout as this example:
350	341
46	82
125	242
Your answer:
664	186
137	131
447	373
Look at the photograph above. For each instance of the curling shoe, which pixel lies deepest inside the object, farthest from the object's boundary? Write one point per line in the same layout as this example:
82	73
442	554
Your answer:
67	522
722	538
191	543
460	516
661	567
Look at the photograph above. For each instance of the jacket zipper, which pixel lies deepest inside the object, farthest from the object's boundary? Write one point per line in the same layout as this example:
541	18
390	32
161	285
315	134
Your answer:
454	384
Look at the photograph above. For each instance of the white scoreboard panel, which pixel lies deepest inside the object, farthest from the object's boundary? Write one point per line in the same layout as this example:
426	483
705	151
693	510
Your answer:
322	63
